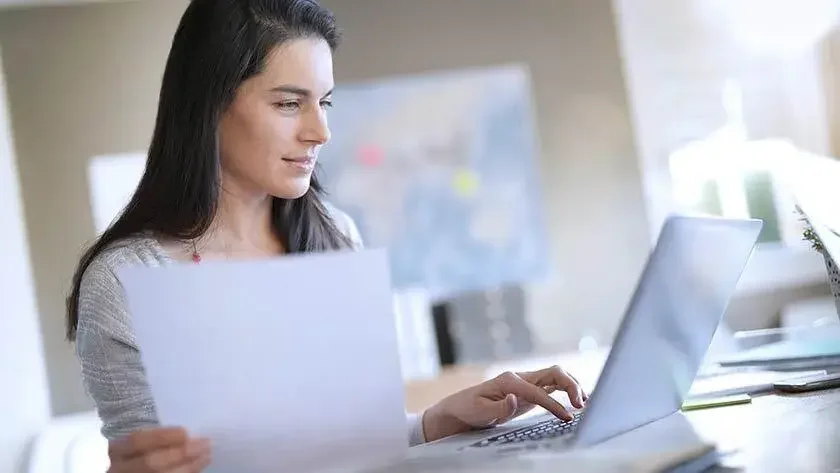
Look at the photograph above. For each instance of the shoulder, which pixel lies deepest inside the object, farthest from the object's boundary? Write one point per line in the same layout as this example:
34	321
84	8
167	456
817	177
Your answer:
100	292
345	224
135	250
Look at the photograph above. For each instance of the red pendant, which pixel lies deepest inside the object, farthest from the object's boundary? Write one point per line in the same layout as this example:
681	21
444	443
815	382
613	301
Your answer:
196	258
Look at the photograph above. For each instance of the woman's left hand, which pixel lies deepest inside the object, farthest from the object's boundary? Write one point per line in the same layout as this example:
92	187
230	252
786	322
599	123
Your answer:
501	399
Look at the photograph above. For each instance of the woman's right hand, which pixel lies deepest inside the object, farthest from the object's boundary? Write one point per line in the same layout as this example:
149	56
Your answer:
159	450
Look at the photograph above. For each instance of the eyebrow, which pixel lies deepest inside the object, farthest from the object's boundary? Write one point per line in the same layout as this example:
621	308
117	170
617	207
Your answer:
291	89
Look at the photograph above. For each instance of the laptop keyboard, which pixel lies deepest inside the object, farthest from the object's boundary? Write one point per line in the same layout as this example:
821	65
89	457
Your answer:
548	429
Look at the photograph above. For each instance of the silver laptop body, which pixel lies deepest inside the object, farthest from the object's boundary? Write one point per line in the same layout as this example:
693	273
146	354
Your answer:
675	310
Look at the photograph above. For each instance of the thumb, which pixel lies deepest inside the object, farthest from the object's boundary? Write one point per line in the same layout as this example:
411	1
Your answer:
505	409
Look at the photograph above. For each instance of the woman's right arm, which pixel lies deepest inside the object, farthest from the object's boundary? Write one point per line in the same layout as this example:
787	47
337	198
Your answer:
114	377
112	370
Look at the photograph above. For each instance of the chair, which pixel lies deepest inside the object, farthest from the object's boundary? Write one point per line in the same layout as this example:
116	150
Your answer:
70	444
489	325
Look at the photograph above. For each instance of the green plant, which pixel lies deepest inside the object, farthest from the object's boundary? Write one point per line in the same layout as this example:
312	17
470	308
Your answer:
808	233
811	236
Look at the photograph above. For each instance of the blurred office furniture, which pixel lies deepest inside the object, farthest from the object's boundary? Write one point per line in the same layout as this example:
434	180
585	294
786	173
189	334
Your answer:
484	326
70	444
811	312
418	345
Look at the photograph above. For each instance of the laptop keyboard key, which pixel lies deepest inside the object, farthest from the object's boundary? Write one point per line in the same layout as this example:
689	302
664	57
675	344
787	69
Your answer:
544	430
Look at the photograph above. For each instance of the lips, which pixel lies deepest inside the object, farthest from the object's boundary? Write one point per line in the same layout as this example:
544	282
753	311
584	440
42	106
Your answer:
305	164
305	160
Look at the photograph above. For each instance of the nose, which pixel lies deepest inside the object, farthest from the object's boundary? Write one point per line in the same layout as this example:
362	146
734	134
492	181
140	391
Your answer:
315	129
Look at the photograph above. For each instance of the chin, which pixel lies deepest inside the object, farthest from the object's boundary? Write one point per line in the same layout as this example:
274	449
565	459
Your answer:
291	190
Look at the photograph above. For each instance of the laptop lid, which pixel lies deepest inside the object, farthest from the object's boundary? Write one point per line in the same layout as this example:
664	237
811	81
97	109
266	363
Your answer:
276	361
679	301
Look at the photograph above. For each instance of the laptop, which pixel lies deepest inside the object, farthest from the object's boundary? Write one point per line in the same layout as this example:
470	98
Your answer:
662	340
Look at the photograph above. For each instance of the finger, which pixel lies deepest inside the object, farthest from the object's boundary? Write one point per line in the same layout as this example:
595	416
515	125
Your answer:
501	411
575	393
162	460
510	383
168	459
143	441
195	466
583	393
514	409
558	377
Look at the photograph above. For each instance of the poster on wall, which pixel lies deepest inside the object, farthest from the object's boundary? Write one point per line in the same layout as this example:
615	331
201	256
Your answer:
441	168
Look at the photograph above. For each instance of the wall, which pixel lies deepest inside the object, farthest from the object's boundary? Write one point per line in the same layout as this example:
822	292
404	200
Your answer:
83	81
676	91
590	177
831	70
24	403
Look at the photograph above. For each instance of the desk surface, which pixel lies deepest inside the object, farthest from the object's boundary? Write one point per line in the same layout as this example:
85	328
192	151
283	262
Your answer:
774	433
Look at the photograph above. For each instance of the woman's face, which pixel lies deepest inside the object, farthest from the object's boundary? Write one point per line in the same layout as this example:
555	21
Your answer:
270	135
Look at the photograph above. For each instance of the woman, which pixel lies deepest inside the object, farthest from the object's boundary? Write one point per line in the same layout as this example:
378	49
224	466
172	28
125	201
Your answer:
230	174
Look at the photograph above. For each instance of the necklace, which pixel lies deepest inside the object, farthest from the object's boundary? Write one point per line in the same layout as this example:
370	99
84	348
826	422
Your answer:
196	257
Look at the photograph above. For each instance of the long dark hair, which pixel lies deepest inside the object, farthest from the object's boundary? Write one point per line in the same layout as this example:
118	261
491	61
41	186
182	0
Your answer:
218	45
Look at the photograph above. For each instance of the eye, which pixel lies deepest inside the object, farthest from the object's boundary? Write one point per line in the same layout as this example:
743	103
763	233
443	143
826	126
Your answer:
287	106
326	103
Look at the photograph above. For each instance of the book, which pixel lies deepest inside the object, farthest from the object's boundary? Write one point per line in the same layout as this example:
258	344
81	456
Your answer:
788	354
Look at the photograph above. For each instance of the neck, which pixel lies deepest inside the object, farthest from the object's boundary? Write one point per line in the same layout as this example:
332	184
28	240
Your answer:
242	226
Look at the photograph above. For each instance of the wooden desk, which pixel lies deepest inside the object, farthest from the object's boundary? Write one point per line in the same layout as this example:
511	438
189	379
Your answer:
424	393
775	433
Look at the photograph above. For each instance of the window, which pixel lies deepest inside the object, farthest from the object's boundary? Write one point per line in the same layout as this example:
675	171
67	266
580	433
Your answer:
727	174
717	93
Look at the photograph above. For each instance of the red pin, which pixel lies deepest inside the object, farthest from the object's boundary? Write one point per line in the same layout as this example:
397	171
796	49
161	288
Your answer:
370	155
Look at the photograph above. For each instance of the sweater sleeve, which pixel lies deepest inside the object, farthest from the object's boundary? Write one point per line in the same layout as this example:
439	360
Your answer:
112	370
416	436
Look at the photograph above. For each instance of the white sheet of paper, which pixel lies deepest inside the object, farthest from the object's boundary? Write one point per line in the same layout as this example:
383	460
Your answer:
287	364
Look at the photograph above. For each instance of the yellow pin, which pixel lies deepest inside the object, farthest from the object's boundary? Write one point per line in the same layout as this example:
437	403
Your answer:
465	182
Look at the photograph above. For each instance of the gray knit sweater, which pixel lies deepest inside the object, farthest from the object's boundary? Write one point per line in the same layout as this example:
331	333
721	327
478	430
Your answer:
105	343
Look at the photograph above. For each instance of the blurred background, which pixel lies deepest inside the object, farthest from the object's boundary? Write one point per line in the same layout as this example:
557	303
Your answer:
519	228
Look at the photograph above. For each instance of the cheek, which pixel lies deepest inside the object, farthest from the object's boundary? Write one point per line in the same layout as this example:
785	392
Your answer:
274	141
256	144
278	136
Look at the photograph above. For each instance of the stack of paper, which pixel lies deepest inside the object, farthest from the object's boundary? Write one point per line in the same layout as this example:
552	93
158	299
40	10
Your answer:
789	355
742	382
